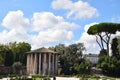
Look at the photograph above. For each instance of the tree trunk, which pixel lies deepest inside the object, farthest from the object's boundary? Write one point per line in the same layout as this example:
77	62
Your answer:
108	49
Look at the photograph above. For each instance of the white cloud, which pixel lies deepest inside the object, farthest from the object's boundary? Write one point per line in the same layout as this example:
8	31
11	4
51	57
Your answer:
78	9
47	20
12	35
50	28
89	40
16	20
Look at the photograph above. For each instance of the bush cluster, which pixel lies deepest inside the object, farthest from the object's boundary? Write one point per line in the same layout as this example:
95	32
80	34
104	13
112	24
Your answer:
109	65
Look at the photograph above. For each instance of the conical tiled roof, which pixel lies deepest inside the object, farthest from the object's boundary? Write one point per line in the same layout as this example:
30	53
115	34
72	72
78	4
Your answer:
42	50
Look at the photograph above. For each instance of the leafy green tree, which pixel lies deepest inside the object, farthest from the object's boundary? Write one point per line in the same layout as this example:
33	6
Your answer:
13	52
75	51
103	32
70	56
83	67
61	50
109	65
73	55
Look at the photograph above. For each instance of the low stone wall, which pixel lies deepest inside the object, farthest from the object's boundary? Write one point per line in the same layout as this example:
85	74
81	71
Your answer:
5	70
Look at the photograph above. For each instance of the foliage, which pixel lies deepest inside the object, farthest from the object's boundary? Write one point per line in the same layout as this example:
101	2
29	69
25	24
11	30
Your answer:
1	59
103	32
71	58
103	52
83	67
73	54
22	49
13	52
3	51
9	59
109	65
17	66
115	47
118	46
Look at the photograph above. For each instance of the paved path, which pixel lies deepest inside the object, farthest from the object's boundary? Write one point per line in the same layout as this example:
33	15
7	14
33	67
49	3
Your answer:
96	72
57	78
66	78
5	79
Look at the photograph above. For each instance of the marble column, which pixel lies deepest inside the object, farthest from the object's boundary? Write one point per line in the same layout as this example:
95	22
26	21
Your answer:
56	64
27	63
35	63
53	65
40	63
49	68
44	65
31	61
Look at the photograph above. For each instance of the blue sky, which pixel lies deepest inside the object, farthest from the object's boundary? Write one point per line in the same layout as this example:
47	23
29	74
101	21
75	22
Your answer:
50	22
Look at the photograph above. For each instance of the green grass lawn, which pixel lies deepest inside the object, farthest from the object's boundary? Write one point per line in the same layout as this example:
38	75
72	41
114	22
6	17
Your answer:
93	77
38	79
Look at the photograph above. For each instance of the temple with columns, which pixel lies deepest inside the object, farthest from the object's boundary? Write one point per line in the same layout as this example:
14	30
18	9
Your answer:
42	61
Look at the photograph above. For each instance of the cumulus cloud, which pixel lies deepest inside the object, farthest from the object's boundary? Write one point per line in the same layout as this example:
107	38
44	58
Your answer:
51	28
89	40
47	20
43	28
78	9
16	20
12	35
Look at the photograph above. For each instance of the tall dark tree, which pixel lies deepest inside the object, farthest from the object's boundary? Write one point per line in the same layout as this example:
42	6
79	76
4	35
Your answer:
1	60
114	47
103	32
9	59
13	46
23	47
3	50
118	38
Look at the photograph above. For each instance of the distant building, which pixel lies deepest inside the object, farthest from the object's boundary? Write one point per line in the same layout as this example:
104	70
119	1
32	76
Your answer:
92	57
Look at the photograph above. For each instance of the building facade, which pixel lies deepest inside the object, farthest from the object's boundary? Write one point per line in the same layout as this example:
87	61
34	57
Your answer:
93	58
42	61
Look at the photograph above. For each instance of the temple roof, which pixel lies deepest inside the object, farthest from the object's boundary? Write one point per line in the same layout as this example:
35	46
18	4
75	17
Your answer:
41	50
